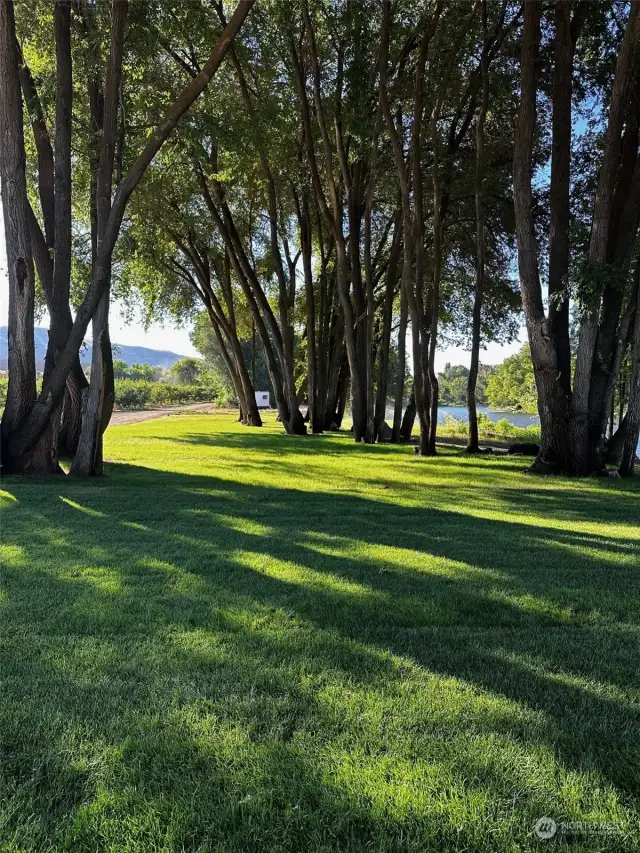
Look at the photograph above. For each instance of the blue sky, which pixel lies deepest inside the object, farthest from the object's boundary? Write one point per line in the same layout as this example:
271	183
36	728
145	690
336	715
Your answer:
169	337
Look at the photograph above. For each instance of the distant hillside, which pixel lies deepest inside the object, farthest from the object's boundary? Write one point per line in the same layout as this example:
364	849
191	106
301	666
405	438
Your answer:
129	354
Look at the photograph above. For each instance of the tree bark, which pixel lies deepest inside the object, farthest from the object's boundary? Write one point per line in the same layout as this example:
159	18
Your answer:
409	419
402	367
313	400
99	398
615	317
385	342
286	294
21	392
559	191
555	452
632	426
473	444
598	247
438	234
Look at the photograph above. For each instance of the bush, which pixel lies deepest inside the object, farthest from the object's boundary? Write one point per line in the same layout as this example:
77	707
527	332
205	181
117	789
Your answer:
138	393
132	393
135	394
505	429
453	426
502	430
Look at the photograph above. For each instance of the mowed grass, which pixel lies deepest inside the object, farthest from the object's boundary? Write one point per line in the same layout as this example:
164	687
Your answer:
243	641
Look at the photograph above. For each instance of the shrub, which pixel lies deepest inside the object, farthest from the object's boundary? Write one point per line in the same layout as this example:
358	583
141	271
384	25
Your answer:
132	393
502	430
135	394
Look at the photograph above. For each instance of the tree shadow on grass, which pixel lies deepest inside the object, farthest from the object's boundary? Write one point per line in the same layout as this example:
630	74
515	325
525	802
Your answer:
208	641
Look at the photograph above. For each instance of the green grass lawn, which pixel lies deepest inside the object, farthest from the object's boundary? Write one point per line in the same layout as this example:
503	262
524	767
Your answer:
243	641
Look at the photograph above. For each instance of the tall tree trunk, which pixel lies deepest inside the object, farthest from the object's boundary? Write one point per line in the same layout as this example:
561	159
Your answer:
256	299
599	246
632	418
413	223
559	192
21	392
385	342
306	235
358	395
43	242
615	316
295	423
555	453
99	397
58	301
472	444
438	229
325	319
337	370
334	218
402	367
409	419
232	366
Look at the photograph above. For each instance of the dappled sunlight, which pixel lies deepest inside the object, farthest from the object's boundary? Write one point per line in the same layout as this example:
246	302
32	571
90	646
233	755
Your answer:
177	579
298	574
12	555
293	640
243	525
538	667
601	551
75	505
387	558
104	579
135	525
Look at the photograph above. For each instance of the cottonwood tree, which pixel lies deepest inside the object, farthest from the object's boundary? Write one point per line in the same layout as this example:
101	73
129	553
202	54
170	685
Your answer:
25	423
574	414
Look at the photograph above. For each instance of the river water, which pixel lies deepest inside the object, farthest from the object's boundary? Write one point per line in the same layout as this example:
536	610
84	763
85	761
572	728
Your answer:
460	412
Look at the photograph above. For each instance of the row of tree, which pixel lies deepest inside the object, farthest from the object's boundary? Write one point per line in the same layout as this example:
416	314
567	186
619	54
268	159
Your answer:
360	175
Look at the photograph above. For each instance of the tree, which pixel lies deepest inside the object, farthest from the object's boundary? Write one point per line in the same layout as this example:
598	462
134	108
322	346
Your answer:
511	385
21	390
20	438
186	371
574	415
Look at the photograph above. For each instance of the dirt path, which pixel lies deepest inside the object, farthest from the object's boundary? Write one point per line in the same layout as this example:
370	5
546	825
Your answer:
134	417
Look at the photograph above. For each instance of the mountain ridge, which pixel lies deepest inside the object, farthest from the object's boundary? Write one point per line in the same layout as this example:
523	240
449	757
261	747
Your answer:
125	352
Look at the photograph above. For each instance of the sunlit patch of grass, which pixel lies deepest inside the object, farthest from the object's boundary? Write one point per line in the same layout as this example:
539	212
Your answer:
103	578
242	525
12	555
79	507
240	640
